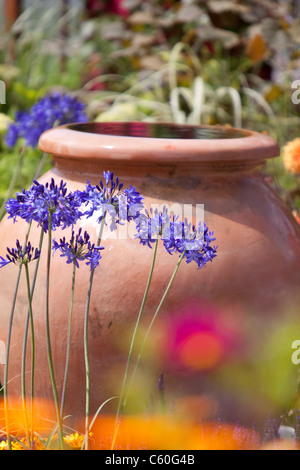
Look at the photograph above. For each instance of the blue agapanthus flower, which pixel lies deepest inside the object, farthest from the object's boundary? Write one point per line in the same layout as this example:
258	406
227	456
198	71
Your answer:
79	248
53	110
19	255
194	243
110	199
153	225
40	200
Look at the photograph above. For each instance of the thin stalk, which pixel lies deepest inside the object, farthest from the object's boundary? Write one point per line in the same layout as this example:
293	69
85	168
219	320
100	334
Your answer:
86	359
5	394
86	351
63	400
29	317
49	351
41	165
152	322
120	404
9	334
13	180
32	354
146	337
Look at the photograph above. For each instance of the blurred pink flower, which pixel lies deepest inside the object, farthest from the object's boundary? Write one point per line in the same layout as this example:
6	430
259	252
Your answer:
198	337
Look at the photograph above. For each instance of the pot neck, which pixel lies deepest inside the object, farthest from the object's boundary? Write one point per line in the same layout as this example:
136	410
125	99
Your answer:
79	168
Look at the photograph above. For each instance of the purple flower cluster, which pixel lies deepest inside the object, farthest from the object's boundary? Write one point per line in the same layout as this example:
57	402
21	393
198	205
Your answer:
19	255
153	225
52	202
194	243
111	199
40	200
53	110
79	248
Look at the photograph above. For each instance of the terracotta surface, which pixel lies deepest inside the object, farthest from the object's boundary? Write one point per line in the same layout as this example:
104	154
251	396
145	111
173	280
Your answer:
256	272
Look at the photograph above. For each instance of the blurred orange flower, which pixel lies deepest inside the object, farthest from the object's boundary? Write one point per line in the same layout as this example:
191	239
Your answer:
138	432
291	156
43	420
297	216
167	433
44	416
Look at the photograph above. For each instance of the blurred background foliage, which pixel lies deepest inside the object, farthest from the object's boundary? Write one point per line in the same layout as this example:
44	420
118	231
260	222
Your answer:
186	61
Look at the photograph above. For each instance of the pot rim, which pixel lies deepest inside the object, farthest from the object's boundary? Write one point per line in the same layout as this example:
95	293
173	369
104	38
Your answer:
71	142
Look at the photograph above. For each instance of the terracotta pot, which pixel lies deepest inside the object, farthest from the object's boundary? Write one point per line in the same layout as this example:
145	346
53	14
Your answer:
255	274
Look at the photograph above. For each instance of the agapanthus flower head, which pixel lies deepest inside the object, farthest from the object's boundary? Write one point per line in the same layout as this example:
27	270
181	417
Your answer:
193	242
20	255
153	225
53	110
109	198
79	248
40	200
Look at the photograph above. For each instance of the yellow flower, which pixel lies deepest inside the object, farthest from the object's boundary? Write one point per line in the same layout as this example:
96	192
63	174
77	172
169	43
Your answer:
22	444
75	441
3	445
38	444
291	156
15	445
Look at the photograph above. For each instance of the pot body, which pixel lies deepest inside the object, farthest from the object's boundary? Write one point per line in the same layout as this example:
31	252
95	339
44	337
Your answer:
248	286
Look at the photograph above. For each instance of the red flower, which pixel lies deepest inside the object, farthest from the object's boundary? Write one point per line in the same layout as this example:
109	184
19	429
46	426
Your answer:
98	7
116	6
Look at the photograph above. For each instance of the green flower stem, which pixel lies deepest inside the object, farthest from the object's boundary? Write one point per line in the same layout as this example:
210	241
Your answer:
40	166
5	394
145	340
63	400
5	385
152	322
86	351
86	359
29	318
121	405
13	180
32	360
49	351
